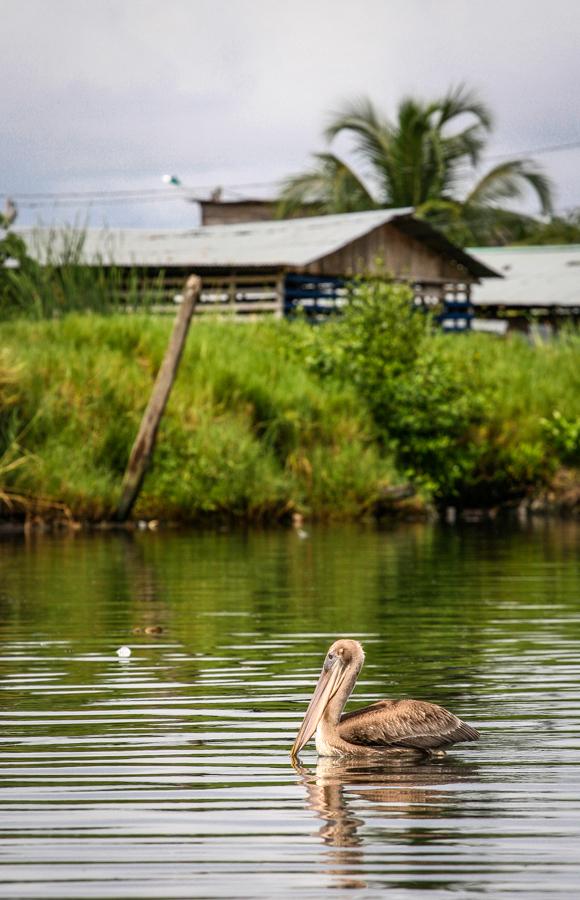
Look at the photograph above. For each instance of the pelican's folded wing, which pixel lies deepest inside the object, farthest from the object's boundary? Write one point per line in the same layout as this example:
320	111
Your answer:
405	723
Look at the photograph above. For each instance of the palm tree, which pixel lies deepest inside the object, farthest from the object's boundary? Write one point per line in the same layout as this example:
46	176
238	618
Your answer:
418	160
331	186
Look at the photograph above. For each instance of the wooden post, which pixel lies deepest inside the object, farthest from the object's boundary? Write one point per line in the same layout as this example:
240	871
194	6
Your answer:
145	442
232	293
280	298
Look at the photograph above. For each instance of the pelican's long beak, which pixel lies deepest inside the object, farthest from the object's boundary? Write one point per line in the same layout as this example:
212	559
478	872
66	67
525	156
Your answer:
328	683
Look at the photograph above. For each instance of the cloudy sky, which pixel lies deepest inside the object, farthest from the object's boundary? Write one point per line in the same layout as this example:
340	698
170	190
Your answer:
108	95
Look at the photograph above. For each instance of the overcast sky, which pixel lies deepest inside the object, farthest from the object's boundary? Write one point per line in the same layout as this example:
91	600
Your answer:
112	94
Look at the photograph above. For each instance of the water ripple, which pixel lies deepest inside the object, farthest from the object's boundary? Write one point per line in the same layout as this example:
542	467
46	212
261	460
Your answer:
167	774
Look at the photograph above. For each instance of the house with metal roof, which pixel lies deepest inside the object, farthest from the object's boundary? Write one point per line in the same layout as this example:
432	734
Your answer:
540	283
275	266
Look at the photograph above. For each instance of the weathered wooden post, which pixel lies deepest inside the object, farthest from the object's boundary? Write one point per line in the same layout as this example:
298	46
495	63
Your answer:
145	442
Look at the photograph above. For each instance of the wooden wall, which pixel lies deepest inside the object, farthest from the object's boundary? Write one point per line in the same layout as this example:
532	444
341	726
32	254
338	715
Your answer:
218	213
386	248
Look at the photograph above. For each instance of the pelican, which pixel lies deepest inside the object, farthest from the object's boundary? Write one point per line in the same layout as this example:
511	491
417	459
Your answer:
394	726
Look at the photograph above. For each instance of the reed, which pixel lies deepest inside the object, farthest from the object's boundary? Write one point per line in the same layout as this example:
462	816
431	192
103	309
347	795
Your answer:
64	283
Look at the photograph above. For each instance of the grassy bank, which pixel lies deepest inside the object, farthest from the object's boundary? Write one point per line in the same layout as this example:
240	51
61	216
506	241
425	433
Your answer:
272	417
248	431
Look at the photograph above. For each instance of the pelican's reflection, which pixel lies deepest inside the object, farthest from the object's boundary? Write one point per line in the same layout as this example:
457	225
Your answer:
392	788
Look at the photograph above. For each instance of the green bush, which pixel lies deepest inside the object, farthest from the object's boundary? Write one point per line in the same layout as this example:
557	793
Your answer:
462	414
385	346
563	435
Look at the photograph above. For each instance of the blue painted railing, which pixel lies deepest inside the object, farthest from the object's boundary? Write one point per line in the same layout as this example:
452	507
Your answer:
317	296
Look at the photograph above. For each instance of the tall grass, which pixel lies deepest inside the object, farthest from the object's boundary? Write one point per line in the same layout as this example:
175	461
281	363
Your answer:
270	417
64	283
528	398
248	432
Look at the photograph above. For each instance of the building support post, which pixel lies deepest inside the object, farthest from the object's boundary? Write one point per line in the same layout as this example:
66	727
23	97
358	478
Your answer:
144	445
280	297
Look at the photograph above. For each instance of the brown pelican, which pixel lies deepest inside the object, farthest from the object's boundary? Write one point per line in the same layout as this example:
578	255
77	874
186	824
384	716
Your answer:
396	726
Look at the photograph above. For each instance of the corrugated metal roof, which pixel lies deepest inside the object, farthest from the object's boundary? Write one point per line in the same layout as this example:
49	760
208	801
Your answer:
288	242
532	276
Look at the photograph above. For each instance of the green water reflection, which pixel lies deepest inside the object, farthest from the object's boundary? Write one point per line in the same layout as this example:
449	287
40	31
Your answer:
168	775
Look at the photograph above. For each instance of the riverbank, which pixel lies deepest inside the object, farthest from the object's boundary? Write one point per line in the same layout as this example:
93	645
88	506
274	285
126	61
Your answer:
248	434
265	420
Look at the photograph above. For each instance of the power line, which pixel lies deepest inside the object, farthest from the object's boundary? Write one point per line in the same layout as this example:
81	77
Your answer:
182	193
74	195
99	201
536	151
39	200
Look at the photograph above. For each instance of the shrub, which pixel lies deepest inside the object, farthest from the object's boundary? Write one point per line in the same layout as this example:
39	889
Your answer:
563	434
460	413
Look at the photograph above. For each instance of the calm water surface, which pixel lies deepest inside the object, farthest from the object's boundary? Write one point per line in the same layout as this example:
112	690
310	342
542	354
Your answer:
167	775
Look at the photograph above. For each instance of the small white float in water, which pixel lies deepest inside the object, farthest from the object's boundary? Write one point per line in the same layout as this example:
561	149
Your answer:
124	652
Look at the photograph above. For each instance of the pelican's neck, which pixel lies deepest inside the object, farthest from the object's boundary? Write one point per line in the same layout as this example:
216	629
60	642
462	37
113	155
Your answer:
336	704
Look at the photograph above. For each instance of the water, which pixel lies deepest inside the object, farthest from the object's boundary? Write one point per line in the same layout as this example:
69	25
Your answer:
167	775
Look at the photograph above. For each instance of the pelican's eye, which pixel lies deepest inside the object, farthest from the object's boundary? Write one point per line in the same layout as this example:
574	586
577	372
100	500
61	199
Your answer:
330	657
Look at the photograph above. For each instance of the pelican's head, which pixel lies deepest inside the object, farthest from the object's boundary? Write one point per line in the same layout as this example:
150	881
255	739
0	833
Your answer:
342	663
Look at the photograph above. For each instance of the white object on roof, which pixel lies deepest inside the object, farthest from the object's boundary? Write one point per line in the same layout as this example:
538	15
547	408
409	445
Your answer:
532	276
286	242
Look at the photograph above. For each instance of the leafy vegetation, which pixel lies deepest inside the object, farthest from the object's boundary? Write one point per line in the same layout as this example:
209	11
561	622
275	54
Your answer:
562	229
564	436
471	419
270	417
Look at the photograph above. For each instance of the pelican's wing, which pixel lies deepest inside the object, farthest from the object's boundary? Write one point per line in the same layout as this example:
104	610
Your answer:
404	723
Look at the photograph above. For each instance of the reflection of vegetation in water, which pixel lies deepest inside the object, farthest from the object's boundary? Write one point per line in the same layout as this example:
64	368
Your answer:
200	720
431	604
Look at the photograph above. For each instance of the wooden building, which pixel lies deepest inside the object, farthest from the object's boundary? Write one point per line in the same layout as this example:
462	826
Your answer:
277	266
235	212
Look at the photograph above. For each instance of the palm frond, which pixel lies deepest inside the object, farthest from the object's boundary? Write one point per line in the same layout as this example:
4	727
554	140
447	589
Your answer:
359	115
372	133
469	144
458	101
330	186
509	181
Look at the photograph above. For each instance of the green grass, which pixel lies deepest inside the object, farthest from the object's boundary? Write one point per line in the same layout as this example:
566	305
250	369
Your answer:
247	433
523	380
261	422
529	397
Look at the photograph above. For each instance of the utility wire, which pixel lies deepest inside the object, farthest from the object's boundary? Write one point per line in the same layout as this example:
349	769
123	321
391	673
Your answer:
180	192
140	195
537	151
45	204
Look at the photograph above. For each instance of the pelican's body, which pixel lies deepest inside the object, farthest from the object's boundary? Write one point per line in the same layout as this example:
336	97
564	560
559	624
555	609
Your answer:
394	726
